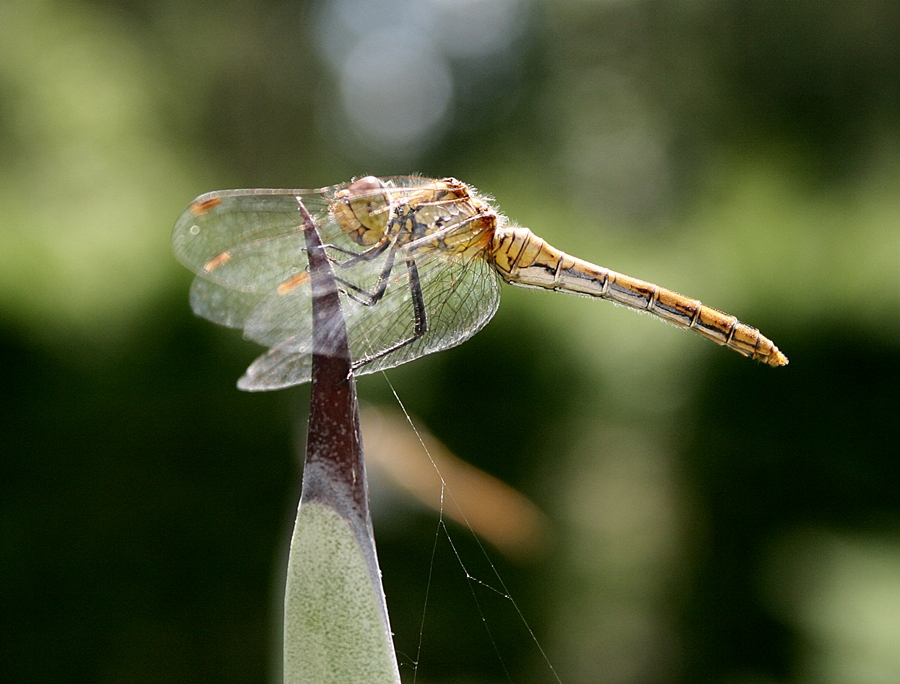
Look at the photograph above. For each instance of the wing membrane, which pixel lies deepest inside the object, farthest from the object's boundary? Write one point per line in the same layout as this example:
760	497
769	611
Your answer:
251	240
220	304
248	250
460	294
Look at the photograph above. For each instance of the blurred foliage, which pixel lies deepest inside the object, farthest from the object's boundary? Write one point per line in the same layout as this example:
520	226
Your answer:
715	520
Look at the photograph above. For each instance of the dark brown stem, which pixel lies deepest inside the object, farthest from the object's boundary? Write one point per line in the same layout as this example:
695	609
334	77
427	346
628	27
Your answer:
334	472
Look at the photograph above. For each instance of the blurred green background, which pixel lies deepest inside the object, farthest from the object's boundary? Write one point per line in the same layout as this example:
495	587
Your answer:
714	520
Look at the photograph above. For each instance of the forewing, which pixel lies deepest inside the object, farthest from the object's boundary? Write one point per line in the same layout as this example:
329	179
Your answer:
252	240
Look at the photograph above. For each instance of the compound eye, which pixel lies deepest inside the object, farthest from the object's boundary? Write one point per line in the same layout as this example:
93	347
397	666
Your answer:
368	201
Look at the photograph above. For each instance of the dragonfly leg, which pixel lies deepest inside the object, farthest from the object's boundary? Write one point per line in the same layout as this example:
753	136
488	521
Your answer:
370	298
420	319
356	257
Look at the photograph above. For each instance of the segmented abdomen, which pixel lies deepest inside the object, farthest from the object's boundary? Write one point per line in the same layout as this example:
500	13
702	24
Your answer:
524	259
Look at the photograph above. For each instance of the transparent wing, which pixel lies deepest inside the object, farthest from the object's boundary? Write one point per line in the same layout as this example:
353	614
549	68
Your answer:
248	250
220	304
460	296
283	317
250	241
244	243
277	369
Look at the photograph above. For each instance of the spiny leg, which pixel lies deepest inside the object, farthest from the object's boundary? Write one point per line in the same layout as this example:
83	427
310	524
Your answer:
366	298
356	257
420	320
371	298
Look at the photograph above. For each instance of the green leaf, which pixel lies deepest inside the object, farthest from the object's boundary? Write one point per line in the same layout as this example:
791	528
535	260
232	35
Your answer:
335	629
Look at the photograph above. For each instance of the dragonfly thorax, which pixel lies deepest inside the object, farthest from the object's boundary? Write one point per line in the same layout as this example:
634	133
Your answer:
373	211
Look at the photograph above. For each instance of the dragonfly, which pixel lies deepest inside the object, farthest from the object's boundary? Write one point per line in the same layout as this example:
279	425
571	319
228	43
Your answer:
418	263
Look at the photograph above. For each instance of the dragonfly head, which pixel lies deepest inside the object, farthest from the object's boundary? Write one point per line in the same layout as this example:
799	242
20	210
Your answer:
363	209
